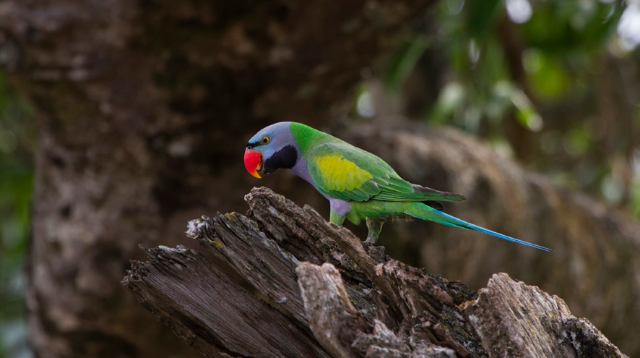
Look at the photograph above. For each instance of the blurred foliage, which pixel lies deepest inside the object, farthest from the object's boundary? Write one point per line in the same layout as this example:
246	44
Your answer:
17	140
555	84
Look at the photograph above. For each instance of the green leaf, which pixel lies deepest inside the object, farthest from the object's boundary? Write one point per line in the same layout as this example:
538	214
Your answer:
404	61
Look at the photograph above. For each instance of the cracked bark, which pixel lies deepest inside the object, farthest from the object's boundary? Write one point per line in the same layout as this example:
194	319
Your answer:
358	303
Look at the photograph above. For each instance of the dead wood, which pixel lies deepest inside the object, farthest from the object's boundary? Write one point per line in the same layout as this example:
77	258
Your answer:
315	290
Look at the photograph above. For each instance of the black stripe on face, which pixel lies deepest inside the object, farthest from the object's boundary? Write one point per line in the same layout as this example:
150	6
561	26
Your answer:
252	145
284	158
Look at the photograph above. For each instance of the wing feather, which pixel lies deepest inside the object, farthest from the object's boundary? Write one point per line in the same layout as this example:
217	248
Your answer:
345	172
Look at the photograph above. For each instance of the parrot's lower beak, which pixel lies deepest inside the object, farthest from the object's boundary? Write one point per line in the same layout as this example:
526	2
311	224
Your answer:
253	162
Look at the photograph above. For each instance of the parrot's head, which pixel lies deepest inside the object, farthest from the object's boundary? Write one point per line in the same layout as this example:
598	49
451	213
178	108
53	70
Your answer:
270	149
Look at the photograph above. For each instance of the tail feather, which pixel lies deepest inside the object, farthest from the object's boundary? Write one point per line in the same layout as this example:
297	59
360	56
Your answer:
424	212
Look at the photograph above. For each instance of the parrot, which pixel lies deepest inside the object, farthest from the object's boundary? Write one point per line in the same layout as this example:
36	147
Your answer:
358	184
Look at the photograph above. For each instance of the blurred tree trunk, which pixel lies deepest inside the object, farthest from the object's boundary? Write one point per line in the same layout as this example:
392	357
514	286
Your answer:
145	107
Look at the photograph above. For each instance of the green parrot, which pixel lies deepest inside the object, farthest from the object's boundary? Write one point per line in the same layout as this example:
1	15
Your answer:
358	184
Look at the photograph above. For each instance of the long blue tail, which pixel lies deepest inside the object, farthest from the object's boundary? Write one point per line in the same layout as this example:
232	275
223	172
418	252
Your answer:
424	212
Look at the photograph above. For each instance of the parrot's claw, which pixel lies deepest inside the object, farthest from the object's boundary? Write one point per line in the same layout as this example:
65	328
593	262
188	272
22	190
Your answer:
371	240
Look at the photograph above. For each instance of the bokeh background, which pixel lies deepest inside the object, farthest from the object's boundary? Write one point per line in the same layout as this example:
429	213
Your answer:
553	86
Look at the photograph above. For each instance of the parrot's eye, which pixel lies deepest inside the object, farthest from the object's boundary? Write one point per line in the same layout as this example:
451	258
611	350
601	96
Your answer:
265	140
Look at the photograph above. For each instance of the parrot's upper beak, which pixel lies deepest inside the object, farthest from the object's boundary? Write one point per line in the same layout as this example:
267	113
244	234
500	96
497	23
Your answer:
253	162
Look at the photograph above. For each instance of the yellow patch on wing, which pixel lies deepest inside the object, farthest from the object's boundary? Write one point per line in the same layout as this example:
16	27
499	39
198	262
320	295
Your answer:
341	174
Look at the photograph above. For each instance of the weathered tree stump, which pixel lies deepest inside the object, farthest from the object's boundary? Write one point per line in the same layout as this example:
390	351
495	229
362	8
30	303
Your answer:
315	290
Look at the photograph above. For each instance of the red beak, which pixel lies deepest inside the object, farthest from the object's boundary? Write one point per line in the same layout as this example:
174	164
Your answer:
253	162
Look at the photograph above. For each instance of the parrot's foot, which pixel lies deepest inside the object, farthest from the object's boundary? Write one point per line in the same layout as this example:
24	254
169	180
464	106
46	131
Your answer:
374	226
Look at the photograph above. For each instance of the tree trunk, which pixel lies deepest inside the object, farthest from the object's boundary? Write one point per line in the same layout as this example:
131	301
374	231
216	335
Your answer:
144	107
360	303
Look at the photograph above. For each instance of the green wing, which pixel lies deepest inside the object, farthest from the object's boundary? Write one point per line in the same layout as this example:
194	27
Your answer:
345	172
